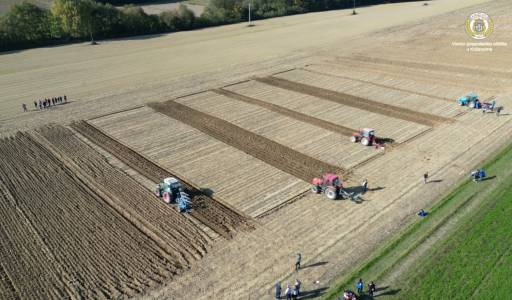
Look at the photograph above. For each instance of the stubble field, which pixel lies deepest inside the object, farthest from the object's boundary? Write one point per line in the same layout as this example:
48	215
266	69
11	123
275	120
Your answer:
246	143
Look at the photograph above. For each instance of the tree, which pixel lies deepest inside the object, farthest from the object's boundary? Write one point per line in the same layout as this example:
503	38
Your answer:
26	22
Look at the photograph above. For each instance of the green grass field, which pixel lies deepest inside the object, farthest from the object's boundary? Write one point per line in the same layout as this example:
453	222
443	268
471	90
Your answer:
473	261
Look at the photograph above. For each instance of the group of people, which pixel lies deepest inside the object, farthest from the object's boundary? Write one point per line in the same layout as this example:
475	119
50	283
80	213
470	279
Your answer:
291	293
46	103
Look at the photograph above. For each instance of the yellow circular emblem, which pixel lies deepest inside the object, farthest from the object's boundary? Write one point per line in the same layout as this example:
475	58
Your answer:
479	26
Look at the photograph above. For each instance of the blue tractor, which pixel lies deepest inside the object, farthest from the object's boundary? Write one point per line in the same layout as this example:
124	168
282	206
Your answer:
478	175
470	100
172	192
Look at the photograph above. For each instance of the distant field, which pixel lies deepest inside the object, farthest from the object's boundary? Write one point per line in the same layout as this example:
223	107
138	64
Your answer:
157	7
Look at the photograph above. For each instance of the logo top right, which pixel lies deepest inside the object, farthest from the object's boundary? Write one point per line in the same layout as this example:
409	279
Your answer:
479	26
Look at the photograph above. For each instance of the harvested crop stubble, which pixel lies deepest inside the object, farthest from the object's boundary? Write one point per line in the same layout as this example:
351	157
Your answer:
59	239
275	154
288	112
208	211
175	233
358	102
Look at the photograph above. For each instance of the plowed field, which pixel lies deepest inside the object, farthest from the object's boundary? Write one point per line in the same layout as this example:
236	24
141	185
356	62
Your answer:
61	240
212	213
351	100
275	154
152	216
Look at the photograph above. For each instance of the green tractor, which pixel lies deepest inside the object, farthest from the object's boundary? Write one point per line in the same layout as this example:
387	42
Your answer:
171	191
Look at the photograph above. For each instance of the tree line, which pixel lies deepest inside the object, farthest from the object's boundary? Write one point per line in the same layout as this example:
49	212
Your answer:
26	25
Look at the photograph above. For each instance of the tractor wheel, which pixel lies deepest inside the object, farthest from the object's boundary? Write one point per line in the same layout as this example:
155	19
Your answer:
330	193
365	141
315	189
167	197
157	192
353	139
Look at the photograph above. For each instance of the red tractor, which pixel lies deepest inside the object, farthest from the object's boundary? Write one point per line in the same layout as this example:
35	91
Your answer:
366	136
330	184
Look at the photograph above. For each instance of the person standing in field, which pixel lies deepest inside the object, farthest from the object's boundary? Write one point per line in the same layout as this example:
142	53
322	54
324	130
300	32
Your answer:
297	261
278	290
297	286
425	177
360	286
498	110
364	185
371	288
24	106
65	98
288	292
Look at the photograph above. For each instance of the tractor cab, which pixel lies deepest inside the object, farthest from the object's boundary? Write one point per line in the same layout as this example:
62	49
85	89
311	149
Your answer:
171	191
365	136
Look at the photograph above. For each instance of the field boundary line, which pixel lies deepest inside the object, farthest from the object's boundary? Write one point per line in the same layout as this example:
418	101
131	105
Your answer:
291	200
378	85
117	112
357	102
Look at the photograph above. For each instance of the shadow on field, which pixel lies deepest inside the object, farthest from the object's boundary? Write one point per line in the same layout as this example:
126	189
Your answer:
207	191
312	294
435	181
381	291
317	264
488	178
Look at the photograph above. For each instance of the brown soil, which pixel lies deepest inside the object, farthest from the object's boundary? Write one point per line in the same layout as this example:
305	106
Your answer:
214	214
172	231
59	239
358	102
275	154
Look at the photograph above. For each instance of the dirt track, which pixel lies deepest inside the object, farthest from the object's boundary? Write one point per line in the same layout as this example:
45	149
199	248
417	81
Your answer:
275	154
210	212
65	240
358	102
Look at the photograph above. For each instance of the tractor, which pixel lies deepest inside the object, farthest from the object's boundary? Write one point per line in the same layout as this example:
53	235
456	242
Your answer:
171	191
470	100
331	185
366	136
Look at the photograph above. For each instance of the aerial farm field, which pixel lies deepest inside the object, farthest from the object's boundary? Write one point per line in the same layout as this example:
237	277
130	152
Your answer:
245	118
